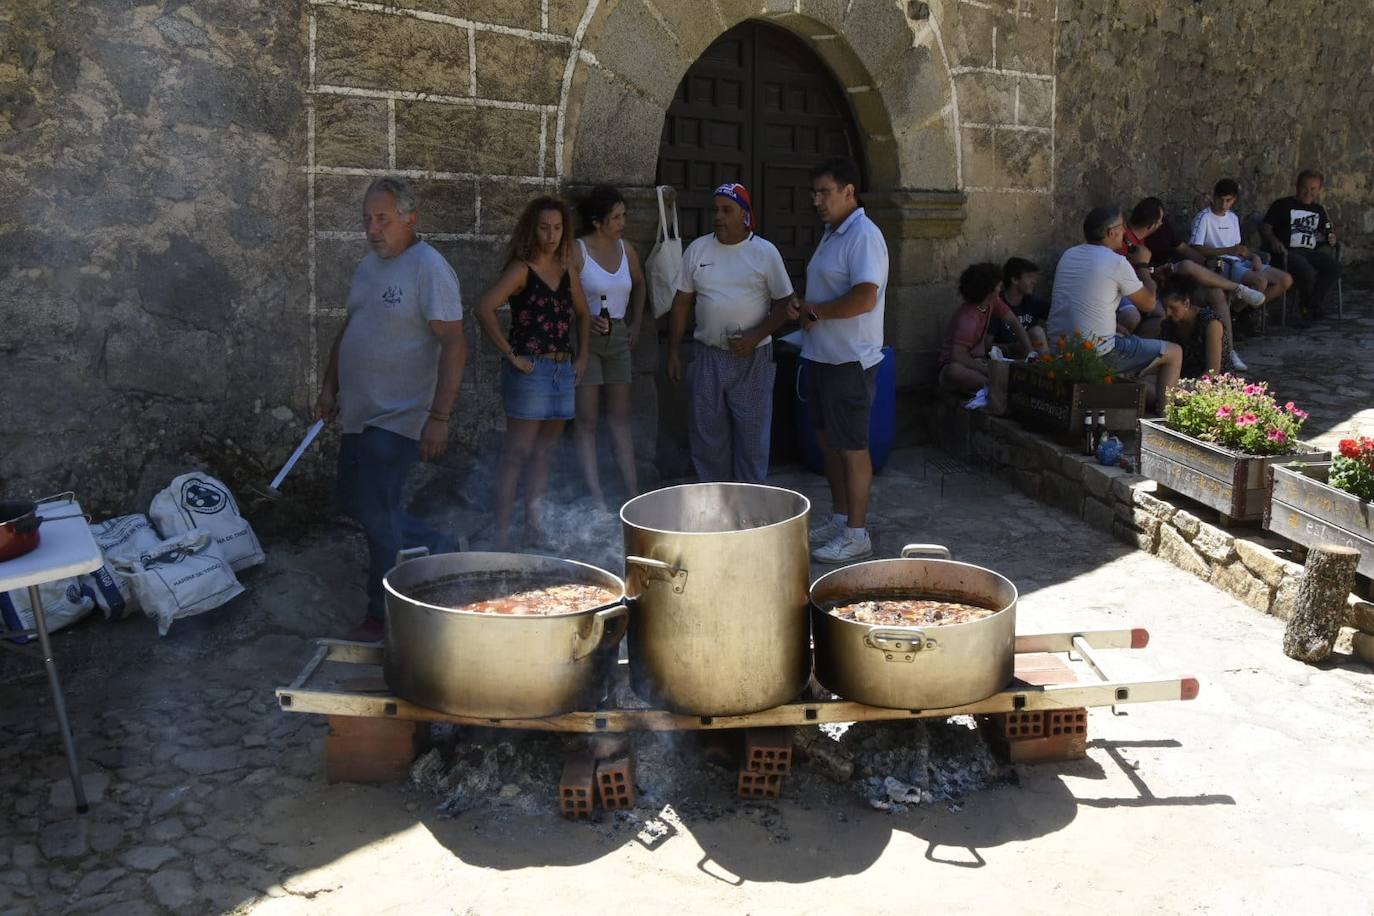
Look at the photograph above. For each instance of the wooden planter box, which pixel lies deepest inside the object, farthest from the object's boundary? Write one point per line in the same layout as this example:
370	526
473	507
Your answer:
1307	510
1235	485
1056	406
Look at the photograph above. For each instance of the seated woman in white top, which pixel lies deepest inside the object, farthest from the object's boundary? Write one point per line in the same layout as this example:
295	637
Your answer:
614	285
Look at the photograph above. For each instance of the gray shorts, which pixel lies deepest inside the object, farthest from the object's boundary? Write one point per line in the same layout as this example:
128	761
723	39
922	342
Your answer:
841	402
1133	355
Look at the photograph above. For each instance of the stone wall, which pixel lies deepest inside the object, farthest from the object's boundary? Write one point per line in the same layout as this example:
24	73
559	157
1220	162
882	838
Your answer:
182	180
1166	98
1254	567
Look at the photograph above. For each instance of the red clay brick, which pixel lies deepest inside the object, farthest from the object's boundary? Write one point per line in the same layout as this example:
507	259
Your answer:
759	785
1020	725
768	750
371	750
367	770
576	790
1045	750
615	781
1066	722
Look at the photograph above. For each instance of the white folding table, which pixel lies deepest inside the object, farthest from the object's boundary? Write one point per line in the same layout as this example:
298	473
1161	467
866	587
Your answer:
65	549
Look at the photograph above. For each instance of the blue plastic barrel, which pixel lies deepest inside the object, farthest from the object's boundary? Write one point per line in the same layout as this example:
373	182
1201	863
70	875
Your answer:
882	424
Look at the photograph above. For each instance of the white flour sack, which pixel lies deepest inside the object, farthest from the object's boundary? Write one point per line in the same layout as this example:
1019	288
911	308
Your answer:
199	502
126	535
64	602
180	577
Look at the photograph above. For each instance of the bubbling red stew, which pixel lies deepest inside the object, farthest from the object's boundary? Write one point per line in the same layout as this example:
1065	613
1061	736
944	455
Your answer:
908	612
513	595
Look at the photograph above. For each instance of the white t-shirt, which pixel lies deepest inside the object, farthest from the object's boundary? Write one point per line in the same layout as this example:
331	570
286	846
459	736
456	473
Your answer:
735	285
1215	231
852	253
1089	283
598	282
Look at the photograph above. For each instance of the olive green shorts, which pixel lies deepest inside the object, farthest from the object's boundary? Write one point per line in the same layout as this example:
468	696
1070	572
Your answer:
609	363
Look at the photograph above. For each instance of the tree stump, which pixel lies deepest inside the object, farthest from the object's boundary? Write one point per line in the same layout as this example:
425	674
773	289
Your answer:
1327	579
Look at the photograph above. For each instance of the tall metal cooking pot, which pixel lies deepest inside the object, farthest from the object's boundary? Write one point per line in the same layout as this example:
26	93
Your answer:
497	666
717	573
928	667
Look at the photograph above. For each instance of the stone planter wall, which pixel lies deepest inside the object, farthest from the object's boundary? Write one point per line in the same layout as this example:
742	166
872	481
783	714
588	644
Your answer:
1244	562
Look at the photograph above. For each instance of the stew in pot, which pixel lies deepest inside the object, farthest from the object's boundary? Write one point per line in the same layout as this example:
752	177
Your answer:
908	612
514	595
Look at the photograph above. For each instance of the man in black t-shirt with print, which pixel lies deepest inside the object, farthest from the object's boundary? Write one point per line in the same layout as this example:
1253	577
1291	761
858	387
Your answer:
1297	230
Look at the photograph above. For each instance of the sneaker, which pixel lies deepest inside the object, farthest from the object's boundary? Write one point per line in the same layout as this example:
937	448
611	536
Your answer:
844	548
1237	363
1249	296
825	532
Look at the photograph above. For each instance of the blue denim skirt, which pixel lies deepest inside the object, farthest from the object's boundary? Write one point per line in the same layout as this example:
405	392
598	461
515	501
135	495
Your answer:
547	393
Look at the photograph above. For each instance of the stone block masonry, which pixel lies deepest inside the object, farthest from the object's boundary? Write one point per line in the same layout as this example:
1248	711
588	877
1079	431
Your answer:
1245	563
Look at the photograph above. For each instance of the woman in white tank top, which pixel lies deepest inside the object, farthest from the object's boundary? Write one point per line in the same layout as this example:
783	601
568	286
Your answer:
613	282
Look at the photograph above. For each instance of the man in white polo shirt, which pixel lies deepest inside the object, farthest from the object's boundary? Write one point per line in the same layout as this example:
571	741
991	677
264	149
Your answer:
846	285
737	286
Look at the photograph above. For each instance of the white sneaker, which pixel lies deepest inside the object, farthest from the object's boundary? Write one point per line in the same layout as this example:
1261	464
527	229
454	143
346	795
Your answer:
825	532
1249	295
1237	363
844	548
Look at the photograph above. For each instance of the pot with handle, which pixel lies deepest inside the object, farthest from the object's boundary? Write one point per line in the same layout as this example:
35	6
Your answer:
497	666
716	575
909	667
19	524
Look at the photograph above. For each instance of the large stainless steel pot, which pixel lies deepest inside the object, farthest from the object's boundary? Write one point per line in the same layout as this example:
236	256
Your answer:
496	666
915	667
717	577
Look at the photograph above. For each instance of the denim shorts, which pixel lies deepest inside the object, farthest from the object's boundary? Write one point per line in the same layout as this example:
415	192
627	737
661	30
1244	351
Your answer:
544	394
1133	355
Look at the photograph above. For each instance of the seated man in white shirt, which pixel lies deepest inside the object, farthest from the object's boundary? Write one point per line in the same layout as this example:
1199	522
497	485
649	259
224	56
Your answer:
1216	234
736	285
1090	283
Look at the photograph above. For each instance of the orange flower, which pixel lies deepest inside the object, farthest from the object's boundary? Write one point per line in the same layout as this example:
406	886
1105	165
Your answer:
1088	345
1050	374
1068	355
1107	380
1046	358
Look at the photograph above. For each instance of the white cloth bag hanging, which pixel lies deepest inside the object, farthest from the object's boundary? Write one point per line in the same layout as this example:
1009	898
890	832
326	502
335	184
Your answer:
665	261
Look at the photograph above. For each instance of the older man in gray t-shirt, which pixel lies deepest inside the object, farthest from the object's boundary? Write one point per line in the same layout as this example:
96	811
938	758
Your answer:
392	379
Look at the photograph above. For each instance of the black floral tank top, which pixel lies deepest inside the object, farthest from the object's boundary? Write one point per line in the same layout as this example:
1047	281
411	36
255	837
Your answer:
541	318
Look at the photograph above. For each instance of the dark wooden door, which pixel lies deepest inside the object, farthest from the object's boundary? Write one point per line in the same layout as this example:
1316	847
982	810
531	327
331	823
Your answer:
758	107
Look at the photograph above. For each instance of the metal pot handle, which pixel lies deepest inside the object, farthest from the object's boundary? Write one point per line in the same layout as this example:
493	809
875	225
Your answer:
899	645
657	569
600	634
934	551
411	553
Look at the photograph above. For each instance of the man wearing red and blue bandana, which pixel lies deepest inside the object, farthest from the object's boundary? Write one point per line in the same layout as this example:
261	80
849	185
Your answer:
735	285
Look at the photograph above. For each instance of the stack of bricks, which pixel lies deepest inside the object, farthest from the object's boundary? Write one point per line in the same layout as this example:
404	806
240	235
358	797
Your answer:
585	778
371	750
767	760
1039	736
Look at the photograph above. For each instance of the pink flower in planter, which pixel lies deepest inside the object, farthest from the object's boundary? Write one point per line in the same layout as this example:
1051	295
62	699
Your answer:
1247	419
1300	414
1290	407
1278	435
1224	412
1254	389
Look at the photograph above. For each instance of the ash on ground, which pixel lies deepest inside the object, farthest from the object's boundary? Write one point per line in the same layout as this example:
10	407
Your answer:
889	766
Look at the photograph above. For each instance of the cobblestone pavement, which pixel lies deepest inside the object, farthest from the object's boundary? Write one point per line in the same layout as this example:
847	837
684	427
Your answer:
207	798
1328	369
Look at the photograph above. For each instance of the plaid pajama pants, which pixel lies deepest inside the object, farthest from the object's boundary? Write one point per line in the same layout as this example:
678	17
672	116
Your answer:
730	413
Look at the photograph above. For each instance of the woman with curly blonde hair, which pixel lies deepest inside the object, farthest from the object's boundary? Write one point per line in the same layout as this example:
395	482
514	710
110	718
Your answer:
540	373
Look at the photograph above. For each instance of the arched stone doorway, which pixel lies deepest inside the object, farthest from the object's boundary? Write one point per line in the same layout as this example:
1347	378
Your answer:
759	107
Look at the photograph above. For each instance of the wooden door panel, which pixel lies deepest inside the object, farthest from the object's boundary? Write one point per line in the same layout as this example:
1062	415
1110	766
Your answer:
758	107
